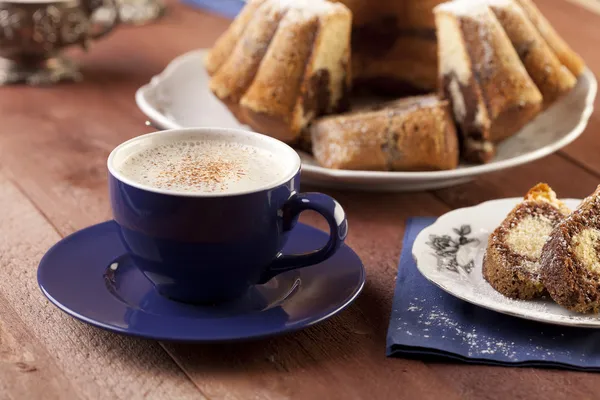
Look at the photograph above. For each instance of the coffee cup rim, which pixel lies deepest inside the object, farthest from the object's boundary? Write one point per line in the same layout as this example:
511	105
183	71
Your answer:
294	170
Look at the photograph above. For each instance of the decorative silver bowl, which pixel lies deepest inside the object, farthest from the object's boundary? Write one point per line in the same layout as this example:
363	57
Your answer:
33	32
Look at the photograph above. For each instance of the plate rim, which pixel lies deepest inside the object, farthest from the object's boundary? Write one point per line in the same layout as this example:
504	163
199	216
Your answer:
339	307
418	176
451	290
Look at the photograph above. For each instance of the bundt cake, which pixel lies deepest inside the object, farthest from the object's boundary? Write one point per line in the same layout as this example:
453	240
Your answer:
282	63
512	260
570	263
491	93
415	133
547	72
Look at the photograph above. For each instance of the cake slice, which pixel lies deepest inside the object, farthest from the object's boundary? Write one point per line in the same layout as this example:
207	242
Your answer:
570	265
283	63
226	43
547	72
491	93
512	260
565	54
414	133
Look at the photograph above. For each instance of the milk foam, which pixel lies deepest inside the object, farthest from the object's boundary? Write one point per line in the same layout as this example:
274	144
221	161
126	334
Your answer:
203	166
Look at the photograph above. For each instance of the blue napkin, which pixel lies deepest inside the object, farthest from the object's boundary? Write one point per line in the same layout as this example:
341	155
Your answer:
227	8
427	322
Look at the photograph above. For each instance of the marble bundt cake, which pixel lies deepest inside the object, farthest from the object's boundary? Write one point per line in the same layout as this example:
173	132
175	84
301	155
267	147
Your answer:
415	133
512	259
570	265
282	63
491	93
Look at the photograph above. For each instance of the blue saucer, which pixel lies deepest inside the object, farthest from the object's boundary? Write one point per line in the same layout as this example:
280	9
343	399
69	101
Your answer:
88	276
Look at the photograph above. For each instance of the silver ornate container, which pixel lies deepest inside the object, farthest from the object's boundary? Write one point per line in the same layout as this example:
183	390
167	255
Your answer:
33	32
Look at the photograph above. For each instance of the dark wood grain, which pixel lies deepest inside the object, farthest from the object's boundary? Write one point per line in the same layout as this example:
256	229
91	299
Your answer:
53	147
26	368
53	352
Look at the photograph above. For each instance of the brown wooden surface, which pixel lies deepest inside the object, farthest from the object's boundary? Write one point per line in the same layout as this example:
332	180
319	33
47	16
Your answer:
53	146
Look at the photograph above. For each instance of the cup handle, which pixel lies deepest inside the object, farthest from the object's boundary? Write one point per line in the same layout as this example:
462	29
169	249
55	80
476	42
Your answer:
105	27
338	229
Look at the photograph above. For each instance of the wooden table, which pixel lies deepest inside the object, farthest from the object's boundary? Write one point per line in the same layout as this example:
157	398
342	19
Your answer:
53	148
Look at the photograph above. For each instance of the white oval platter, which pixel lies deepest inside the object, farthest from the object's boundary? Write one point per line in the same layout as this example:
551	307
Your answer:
179	97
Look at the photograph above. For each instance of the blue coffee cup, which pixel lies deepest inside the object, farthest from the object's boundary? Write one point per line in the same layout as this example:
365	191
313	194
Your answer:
211	247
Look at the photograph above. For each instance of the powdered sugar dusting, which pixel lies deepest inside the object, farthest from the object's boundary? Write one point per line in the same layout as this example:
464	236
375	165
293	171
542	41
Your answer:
448	328
436	324
310	6
483	31
464	7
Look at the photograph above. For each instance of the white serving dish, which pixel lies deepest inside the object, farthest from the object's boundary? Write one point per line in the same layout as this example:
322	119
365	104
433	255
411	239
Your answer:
179	97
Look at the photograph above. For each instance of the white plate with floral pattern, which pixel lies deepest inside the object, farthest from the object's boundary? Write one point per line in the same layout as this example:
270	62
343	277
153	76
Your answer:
449	253
179	97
